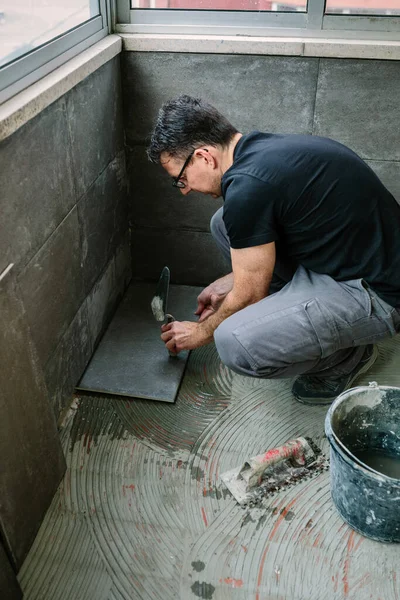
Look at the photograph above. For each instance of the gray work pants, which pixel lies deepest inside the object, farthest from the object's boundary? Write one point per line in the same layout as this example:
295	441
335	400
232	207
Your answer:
313	324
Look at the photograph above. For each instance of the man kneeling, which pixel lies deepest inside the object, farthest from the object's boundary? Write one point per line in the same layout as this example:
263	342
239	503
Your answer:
312	237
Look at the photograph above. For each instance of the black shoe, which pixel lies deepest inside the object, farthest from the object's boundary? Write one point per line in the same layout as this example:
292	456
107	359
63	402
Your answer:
318	390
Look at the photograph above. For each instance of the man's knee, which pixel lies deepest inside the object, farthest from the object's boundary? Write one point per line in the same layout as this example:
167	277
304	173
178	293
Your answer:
225	342
217	224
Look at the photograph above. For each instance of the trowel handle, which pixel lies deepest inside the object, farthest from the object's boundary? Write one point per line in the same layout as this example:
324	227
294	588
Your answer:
170	319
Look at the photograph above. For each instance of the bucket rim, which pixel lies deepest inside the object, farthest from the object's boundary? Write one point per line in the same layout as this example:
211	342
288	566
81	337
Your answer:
347	455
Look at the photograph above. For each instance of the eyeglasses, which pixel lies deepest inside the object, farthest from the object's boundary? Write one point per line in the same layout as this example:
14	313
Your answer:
176	180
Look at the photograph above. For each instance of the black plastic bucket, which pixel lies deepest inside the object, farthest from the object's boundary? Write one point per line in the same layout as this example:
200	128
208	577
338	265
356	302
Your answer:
363	429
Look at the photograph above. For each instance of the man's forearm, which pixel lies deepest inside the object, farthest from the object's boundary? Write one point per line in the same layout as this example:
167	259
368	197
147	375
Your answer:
230	305
223	285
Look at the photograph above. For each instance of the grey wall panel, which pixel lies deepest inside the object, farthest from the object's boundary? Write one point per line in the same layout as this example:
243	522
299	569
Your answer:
192	256
389	173
36	185
9	586
32	462
95	121
255	92
67	363
358	104
101	302
123	263
155	203
52	286
103	216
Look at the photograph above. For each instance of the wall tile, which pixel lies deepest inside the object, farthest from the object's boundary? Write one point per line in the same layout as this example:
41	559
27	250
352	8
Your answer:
192	257
95	121
68	362
358	104
389	173
155	203
36	184
123	264
52	286
32	461
102	302
103	217
271	93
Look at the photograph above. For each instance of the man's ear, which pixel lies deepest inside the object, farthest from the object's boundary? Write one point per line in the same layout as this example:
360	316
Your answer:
207	155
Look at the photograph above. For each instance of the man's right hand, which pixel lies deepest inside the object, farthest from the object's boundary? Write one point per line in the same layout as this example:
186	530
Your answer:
212	296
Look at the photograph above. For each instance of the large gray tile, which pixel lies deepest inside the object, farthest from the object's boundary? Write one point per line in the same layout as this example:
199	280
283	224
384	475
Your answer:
52	286
131	360
66	365
389	173
103	217
255	92
155	203
192	256
95	120
32	461
36	184
358	104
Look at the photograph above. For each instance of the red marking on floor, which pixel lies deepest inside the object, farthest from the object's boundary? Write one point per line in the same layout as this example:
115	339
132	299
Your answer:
128	487
346	565
281	517
317	540
360	541
362	581
244	548
203	512
279	520
235	583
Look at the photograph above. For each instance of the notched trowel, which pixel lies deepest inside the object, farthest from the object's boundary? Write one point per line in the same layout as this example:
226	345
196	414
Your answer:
159	302
267	473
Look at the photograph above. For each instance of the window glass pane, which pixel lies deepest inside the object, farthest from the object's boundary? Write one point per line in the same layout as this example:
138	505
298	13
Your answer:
27	24
363	7
256	5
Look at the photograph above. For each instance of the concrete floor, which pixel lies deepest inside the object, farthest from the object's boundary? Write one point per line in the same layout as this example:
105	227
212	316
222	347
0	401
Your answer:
142	513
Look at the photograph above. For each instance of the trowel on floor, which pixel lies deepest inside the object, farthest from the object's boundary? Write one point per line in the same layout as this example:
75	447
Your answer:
279	468
159	302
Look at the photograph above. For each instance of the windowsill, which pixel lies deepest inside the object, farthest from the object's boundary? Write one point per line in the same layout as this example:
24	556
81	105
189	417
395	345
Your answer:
26	104
296	46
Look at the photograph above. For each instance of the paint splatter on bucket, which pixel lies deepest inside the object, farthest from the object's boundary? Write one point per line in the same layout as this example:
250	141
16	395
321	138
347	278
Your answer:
363	429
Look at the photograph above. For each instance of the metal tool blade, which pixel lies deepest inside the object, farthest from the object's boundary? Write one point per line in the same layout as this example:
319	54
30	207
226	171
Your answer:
159	302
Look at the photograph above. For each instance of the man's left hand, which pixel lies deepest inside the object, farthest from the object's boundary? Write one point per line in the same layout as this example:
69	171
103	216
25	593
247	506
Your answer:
184	335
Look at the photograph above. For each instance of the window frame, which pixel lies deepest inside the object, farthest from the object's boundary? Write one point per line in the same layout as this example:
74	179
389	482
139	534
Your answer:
313	24
21	72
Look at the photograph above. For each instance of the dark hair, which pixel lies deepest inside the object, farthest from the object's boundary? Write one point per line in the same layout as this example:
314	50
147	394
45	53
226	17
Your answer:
186	123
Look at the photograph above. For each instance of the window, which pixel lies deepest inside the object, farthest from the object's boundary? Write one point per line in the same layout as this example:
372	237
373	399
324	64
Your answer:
367	19
38	35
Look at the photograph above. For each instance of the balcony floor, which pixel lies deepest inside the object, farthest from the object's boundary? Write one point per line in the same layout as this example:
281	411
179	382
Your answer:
142	512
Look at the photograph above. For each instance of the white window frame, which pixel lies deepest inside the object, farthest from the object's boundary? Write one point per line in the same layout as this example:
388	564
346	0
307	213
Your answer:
27	69
312	24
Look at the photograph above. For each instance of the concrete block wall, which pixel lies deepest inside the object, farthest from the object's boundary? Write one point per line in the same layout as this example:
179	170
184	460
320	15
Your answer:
353	101
64	206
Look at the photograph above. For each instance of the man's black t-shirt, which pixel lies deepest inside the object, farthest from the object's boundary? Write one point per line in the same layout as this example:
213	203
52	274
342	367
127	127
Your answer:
322	204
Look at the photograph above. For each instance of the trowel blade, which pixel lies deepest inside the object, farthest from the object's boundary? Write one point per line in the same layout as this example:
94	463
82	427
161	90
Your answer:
159	302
